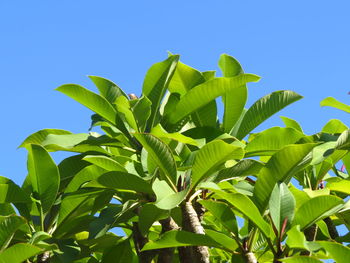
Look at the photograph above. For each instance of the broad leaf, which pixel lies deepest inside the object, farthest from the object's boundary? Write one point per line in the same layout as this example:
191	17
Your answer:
155	85
271	140
105	162
290	123
281	206
210	157
123	107
223	213
264	108
91	100
244	167
18	253
180	239
109	90
235	100
338	252
120	253
142	111
342	186
121	181
244	205
334	126
280	168
161	154
316	209
12	193
40	136
148	215
301	259
332	102
296	238
205	93
44	176
8	226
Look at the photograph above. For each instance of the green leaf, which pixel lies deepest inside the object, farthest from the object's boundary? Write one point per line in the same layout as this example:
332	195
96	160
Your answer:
180	239
226	242
281	205
19	253
109	90
8	227
264	108
301	259
121	181
235	100
148	215
142	111
290	123
205	93
210	157
44	176
12	193
123	106
338	252
161	133
223	213
334	126
40	136
161	154
280	168
156	83
316	209
120	253
271	140
104	162
244	167
171	201
332	102
296	238
342	186
343	142
243	204
91	100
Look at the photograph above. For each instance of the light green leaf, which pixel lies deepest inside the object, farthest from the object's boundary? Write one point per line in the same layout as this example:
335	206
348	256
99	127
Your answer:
244	205
271	140
301	259
342	186
332	102
228	243
338	252
40	136
156	83
280	168
223	213
244	167
296	238
334	126
123	106
316	209
171	201
343	142
281	205
12	193
104	162
321	152
180	239
8	227
210	157
142	111
19	253
91	100
161	154
44	176
161	133
290	123
109	90
264	108
121	181
235	100
205	93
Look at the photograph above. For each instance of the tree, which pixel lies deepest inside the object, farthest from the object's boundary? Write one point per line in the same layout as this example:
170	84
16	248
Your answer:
182	183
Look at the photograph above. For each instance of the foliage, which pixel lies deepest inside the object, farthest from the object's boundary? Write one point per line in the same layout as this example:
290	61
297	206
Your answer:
170	181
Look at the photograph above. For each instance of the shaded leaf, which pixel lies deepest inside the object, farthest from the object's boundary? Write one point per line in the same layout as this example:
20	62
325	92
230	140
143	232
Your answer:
19	253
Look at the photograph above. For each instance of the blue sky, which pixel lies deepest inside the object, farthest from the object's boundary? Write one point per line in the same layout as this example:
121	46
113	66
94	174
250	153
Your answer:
297	45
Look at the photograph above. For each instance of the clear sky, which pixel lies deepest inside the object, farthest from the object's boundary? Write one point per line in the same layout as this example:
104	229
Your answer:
299	45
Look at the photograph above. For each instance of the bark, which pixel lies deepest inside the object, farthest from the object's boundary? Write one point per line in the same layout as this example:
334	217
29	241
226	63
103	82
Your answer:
166	254
331	228
191	223
44	257
140	241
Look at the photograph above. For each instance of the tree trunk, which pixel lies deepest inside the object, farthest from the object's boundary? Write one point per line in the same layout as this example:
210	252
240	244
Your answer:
191	223
310	234
166	254
331	228
250	257
140	241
